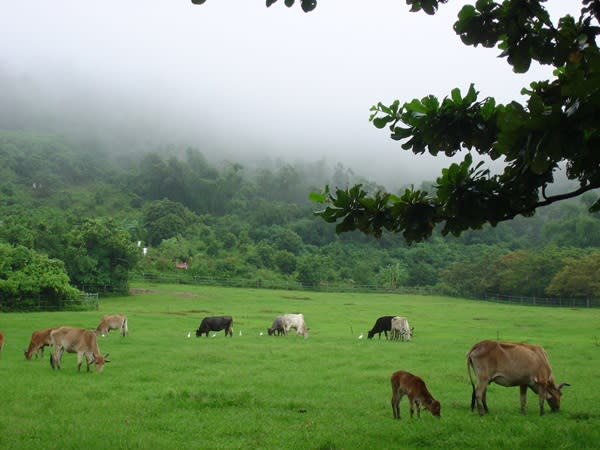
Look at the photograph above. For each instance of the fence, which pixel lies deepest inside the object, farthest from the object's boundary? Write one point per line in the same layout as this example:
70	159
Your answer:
347	287
540	301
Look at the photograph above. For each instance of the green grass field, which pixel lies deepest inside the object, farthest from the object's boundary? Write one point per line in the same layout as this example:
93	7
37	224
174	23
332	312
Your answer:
165	390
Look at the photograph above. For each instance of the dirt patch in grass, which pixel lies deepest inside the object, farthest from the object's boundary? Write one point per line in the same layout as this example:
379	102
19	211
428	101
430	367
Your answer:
140	291
293	297
480	318
185	294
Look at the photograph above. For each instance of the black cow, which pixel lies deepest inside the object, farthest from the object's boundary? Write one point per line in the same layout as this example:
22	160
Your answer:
277	327
216	323
383	324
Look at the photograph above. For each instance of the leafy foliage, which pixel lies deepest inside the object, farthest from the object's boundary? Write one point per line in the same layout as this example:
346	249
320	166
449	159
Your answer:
557	126
29	279
264	229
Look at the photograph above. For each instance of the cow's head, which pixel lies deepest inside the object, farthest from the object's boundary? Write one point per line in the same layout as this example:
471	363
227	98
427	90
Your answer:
27	354
435	407
99	361
553	394
198	332
370	334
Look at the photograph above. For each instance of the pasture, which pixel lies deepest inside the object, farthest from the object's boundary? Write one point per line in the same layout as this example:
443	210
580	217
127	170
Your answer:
163	390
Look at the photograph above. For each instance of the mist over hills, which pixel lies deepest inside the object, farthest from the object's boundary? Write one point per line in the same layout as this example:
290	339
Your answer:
130	120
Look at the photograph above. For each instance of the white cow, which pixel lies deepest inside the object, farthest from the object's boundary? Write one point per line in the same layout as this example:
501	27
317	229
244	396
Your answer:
295	321
401	329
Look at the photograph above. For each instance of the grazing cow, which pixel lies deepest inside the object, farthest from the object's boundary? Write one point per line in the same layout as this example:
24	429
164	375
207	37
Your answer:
508	364
382	325
277	327
413	386
400	329
216	323
39	340
76	340
295	321
115	322
1	340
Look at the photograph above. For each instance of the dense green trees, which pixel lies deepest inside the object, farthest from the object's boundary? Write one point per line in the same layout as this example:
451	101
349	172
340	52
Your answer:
30	280
94	226
99	256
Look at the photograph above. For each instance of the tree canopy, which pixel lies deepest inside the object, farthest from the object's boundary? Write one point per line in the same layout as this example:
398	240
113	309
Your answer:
556	128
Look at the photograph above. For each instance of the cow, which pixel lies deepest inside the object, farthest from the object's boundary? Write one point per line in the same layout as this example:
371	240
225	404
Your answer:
1	340
382	325
216	323
295	321
509	364
400	329
39	340
277	327
418	394
114	322
76	340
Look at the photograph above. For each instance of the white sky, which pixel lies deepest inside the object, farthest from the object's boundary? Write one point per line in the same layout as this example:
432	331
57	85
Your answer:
253	79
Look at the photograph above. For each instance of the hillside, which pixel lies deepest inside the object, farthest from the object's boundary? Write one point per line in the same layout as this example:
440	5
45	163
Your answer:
97	208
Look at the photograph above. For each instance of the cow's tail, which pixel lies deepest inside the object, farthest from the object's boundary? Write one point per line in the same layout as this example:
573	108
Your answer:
471	369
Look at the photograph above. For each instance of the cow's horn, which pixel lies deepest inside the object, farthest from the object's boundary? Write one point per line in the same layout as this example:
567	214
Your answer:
561	385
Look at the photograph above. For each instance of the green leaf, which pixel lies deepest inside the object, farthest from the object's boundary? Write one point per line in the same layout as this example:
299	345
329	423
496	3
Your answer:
381	122
471	95
308	5
289	3
317	197
456	97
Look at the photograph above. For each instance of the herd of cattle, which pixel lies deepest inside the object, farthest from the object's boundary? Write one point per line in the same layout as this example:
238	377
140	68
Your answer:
504	363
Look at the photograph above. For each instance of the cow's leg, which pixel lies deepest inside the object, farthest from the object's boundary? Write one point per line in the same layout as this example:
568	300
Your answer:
79	359
385	332
411	402
480	392
484	400
523	397
396	397
543	395
418	406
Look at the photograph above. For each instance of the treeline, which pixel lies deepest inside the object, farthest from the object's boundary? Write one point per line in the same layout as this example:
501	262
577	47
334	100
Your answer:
96	210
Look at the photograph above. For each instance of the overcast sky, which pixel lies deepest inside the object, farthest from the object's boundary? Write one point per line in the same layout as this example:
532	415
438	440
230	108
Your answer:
251	79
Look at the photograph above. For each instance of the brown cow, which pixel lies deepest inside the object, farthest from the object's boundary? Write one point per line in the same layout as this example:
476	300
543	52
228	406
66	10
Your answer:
76	340
39	340
414	387
114	322
509	364
1	341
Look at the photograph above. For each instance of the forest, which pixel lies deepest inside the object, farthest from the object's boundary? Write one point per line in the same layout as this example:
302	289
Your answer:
77	216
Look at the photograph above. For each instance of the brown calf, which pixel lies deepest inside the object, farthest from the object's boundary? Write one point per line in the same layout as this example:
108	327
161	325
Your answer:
39	340
509	364
114	322
414	387
76	340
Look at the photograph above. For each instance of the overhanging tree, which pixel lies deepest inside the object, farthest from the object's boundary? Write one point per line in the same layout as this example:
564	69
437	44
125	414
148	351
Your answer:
557	127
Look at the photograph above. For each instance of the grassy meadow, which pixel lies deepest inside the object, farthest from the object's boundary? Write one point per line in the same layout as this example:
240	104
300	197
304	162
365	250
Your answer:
330	391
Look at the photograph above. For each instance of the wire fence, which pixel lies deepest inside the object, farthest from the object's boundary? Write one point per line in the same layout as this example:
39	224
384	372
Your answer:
258	283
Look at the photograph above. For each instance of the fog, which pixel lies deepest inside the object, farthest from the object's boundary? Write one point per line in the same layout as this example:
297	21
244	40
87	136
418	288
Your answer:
237	80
